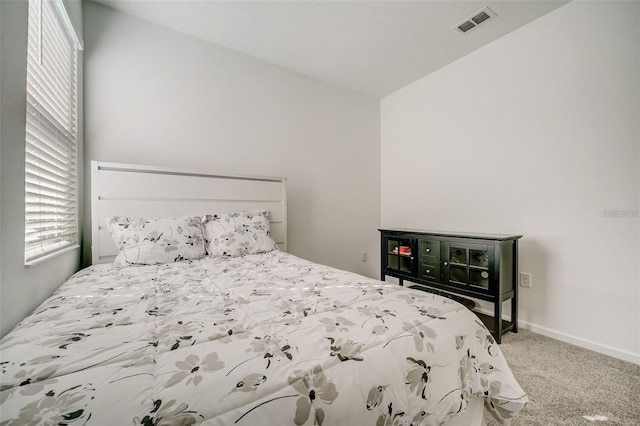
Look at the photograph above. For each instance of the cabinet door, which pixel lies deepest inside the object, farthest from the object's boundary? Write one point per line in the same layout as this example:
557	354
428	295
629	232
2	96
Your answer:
468	266
400	256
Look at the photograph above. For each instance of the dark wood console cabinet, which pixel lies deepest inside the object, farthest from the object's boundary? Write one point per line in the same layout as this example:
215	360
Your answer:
479	266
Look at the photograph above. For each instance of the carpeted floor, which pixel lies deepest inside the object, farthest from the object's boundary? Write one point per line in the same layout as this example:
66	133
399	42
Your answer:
565	383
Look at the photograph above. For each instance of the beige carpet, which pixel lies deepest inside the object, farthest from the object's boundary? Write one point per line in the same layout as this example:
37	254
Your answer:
565	383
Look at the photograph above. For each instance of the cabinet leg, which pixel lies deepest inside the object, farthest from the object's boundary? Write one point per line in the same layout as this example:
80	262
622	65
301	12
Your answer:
514	279
514	314
497	321
401	281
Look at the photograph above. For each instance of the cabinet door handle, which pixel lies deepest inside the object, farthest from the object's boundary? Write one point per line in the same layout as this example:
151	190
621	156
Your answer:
446	263
428	250
428	271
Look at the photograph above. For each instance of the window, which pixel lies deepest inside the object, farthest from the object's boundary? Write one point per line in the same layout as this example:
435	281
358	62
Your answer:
51	165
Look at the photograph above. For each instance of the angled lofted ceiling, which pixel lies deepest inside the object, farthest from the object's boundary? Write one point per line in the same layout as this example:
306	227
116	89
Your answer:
373	47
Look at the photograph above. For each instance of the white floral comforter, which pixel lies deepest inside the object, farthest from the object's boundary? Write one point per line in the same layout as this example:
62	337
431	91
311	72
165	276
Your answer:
266	339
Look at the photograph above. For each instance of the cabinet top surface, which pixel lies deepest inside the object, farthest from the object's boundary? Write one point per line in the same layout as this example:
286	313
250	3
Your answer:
453	234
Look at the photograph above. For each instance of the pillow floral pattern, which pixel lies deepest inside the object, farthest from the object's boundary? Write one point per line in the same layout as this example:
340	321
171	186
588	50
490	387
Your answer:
145	241
237	234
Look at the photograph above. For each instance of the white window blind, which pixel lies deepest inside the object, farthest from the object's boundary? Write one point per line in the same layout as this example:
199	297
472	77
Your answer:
51	169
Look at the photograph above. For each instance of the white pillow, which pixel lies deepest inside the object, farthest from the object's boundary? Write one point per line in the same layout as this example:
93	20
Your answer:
152	241
237	234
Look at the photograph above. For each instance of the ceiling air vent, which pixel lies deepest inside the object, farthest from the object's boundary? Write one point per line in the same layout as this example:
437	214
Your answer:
476	19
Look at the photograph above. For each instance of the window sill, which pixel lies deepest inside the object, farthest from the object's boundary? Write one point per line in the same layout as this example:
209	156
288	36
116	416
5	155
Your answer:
48	257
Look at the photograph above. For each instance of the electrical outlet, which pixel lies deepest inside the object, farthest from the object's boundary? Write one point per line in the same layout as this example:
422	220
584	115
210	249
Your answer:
525	279
363	256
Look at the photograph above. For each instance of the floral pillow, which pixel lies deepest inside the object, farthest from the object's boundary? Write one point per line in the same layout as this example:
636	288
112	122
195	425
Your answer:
237	234
144	241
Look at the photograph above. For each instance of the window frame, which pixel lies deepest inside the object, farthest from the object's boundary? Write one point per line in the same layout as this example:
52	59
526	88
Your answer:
52	133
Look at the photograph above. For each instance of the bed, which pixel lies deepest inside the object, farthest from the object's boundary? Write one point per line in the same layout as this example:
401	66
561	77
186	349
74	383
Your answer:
247	338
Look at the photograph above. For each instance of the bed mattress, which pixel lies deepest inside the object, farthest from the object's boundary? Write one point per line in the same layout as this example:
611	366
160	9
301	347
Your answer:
267	339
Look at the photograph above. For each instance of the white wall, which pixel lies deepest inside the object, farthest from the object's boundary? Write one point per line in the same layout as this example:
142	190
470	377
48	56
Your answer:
21	289
2	41
154	96
537	133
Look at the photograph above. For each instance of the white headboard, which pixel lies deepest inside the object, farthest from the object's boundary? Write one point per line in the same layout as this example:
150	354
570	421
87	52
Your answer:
146	191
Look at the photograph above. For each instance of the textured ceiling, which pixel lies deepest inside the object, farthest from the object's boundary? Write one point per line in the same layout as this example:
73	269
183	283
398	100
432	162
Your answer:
373	47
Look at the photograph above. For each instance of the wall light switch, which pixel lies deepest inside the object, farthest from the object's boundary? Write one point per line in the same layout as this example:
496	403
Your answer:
363	256
525	279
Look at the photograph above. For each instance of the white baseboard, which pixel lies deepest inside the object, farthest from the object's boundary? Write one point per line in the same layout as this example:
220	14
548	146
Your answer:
577	341
583	343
